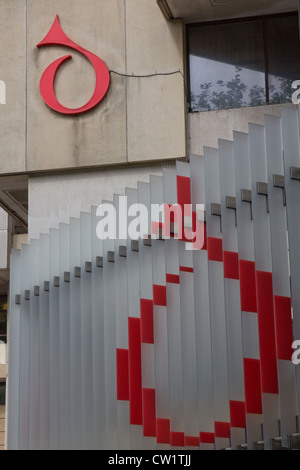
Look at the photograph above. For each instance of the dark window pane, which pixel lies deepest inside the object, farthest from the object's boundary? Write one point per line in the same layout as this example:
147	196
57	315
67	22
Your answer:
2	393
282	39
3	318
227	66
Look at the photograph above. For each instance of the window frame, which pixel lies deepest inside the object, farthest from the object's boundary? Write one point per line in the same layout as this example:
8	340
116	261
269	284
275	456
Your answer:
263	19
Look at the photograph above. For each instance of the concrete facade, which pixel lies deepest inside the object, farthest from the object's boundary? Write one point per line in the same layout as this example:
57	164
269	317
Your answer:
73	163
13	73
132	38
211	10
206	128
2	427
54	199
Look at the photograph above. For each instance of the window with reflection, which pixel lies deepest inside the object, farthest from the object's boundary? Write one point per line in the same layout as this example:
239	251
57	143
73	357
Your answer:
3	319
243	63
2	393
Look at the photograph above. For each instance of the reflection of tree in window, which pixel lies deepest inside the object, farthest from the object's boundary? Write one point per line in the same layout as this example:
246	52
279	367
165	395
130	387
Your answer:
282	92
257	96
244	63
231	95
3	318
2	393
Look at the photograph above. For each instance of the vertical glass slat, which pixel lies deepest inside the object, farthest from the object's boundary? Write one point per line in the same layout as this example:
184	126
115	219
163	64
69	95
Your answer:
64	338
203	327
54	343
160	318
280	269
217	302
188	323
110	346
146	293
231	287
290	140
98	342
133	298
174	314
44	345
263	263
24	352
121	295
75	337
13	379
246	253
34	347
86	331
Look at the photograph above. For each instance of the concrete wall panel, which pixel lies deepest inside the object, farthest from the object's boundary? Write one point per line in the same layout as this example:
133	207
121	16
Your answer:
97	137
156	105
13	73
204	129
54	199
140	118
154	135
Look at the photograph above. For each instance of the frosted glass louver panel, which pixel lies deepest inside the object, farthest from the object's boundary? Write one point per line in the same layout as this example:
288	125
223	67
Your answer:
153	341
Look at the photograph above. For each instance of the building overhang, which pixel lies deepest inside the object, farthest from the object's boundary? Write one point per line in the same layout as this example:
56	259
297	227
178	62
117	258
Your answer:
210	10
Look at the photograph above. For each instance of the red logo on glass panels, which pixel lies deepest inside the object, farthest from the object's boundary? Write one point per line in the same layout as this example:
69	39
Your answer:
56	36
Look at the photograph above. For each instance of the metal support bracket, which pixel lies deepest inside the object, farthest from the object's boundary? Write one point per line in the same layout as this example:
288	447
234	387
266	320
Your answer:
246	196
262	189
216	209
278	182
77	271
88	266
99	261
122	251
295	173
135	245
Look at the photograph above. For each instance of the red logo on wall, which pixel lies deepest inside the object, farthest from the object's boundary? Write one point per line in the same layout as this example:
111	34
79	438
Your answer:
56	36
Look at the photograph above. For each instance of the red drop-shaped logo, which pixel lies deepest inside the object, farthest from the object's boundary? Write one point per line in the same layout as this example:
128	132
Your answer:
56	36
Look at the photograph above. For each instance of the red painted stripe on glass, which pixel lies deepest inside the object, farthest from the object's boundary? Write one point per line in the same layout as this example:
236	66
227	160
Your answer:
284	327
160	295
186	269
237	414
147	328
177	439
214	249
173	278
149	412
191	441
231	265
222	429
252	386
183	191
135	371
266	328
205	238
207	438
163	434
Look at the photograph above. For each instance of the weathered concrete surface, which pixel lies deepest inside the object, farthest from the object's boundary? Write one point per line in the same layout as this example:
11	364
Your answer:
208	10
54	199
59	141
13	73
156	105
204	129
139	119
